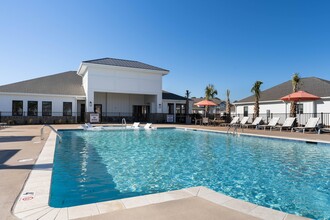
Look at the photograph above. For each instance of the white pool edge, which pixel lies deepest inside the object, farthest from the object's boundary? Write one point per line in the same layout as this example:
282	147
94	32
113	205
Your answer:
36	206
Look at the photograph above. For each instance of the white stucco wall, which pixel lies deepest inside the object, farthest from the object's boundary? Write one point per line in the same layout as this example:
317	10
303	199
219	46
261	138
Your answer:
281	109
121	80
6	101
123	103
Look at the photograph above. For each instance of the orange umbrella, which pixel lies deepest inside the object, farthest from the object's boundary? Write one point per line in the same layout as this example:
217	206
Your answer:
205	103
299	96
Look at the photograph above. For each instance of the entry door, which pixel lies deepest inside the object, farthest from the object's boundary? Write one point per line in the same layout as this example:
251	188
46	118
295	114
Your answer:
82	112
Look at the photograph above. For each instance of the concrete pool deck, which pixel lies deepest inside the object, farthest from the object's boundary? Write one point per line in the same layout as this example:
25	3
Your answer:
20	144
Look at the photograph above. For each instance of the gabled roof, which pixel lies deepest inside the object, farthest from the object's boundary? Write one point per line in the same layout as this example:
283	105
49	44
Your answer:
313	85
124	63
66	83
172	96
215	100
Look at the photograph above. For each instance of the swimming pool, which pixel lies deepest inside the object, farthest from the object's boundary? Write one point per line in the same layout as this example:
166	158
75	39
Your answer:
94	166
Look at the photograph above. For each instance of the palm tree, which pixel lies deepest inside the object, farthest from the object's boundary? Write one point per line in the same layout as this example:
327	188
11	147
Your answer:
256	91
228	104
295	83
210	93
187	101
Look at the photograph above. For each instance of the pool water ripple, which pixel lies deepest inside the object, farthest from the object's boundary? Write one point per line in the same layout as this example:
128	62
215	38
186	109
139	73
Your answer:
290	176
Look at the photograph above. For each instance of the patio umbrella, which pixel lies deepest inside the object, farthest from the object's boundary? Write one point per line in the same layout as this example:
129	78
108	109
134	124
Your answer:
299	96
205	103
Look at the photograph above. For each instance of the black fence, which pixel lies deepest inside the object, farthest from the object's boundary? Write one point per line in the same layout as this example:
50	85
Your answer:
116	117
301	119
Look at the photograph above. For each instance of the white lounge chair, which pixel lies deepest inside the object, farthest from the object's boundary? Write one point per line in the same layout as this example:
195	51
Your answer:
233	122
310	125
136	125
148	126
88	125
272	123
243	121
288	124
205	121
255	123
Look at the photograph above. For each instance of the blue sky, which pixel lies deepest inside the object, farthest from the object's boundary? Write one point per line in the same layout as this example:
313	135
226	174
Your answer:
230	44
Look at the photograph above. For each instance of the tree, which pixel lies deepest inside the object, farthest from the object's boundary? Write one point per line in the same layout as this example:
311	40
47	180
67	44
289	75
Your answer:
295	84
210	93
187	101
256	91
228	104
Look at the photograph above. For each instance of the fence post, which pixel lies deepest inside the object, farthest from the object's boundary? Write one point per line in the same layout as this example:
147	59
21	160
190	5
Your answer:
321	117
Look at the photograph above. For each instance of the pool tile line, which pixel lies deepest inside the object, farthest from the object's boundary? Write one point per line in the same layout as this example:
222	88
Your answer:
257	135
39	181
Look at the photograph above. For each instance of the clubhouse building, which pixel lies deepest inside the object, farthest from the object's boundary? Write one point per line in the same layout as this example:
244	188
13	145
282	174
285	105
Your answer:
112	88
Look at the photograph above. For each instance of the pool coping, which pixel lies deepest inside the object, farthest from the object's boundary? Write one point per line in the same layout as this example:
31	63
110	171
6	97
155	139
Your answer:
32	202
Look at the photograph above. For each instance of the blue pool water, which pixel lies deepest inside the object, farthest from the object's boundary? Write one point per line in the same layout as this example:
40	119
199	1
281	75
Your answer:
94	166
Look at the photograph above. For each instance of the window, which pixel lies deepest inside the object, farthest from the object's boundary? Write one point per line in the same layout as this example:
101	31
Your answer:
17	108
170	108
67	108
300	108
46	108
32	108
180	109
246	111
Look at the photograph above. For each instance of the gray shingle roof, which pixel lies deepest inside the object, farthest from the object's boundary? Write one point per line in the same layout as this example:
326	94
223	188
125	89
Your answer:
313	85
172	96
124	63
66	83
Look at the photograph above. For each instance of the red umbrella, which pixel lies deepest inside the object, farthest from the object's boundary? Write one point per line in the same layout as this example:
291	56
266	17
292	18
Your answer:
300	96
205	103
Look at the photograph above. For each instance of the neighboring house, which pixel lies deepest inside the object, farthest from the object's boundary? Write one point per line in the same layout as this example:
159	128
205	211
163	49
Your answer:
270	103
111	87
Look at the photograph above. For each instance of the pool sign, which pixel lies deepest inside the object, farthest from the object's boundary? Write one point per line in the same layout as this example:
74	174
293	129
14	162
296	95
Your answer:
27	196
170	119
94	118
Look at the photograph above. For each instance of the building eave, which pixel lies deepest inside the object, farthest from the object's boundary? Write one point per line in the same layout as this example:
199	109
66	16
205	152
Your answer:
39	94
83	66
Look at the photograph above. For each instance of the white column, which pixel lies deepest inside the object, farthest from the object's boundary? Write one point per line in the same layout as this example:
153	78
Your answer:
159	101
90	101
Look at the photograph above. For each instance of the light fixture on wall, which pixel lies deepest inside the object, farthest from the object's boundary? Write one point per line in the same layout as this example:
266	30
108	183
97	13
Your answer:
90	103
159	105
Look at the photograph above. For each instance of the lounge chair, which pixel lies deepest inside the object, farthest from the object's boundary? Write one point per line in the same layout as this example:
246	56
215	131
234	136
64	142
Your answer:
272	123
310	125
243	121
205	121
148	126
135	125
288	124
233	122
87	125
255	123
326	130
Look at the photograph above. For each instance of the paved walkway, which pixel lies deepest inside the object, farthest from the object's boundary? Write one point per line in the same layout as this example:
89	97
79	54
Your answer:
19	149
21	145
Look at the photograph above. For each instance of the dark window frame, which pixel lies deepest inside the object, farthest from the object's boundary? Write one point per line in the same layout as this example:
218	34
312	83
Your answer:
300	108
29	110
47	113
16	112
67	113
245	111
